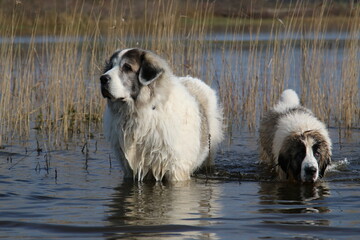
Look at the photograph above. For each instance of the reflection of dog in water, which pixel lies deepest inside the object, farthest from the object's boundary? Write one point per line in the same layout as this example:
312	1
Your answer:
280	197
169	204
160	125
294	141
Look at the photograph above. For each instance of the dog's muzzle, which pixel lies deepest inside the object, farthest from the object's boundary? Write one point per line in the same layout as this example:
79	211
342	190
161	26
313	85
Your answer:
310	174
105	80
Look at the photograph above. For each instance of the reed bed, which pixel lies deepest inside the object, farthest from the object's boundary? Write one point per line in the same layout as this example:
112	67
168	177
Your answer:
50	86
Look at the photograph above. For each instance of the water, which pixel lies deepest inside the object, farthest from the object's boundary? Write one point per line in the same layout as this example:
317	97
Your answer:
79	193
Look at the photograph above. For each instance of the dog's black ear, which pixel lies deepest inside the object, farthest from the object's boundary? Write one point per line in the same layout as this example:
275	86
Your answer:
324	166
283	163
149	70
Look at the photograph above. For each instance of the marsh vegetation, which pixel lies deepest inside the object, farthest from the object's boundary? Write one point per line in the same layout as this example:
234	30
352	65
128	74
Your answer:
50	68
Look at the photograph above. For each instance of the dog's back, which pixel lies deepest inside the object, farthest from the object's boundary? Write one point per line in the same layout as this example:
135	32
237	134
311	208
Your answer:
210	110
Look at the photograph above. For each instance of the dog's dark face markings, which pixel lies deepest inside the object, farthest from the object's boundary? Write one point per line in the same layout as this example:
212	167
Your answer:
127	72
305	157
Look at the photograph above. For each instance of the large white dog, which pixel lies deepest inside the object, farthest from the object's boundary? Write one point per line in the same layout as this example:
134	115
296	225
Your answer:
159	125
294	141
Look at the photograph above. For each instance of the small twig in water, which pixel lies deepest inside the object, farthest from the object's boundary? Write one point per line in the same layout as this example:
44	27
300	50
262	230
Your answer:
47	163
95	147
47	158
83	148
37	168
20	160
38	149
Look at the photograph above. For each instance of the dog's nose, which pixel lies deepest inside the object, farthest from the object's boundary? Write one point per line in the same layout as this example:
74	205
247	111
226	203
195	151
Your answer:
105	79
310	171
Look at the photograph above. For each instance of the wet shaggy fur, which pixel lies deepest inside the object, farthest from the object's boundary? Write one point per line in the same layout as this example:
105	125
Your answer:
294	141
160	126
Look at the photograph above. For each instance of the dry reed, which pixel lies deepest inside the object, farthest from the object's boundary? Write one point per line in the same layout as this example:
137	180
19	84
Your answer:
50	83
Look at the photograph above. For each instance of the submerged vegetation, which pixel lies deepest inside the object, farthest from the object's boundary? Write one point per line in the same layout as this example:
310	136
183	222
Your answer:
50	69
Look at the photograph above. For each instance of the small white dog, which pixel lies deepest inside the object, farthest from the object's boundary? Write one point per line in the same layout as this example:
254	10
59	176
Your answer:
159	125
294	141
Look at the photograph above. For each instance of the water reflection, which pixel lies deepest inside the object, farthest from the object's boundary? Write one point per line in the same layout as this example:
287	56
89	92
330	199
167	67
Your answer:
290	201
175	205
293	198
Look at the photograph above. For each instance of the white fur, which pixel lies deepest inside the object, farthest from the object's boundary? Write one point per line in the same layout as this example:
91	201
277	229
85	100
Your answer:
161	134
288	99
209	99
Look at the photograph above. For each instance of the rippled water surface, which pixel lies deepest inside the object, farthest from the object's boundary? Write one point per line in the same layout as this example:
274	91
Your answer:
78	193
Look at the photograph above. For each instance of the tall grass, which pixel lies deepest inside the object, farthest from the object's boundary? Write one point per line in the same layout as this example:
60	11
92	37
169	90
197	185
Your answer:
50	83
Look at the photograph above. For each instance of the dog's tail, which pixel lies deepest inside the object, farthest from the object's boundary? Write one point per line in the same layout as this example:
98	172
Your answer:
288	99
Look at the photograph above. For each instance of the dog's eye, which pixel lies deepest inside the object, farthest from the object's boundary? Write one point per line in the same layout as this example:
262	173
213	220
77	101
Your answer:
317	155
126	67
107	67
299	156
316	151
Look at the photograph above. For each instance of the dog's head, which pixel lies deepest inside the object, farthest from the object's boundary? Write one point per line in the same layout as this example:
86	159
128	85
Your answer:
128	71
304	157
